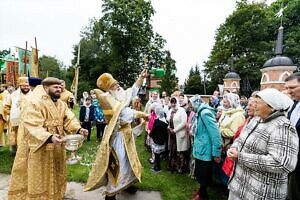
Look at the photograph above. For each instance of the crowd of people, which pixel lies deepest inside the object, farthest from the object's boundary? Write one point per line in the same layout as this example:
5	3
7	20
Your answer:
246	148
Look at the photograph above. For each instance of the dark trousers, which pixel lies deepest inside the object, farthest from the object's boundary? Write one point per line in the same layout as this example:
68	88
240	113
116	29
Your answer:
157	161
88	126
100	130
203	172
294	186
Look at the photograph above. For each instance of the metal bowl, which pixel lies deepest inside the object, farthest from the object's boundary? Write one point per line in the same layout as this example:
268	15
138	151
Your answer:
73	142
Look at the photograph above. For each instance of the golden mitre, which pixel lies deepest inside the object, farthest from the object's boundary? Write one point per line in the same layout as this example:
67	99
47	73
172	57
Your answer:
23	81
105	81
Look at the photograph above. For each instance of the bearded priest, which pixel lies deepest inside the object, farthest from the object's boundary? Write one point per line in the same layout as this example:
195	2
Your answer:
39	169
117	165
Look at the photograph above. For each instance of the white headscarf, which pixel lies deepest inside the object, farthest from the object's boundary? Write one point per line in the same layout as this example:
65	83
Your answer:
177	102
196	102
276	99
160	113
233	99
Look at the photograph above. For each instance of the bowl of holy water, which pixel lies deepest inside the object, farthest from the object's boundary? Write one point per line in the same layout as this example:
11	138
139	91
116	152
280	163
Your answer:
72	144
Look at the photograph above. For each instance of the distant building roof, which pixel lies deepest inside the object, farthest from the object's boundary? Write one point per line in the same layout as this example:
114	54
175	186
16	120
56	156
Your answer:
279	61
232	75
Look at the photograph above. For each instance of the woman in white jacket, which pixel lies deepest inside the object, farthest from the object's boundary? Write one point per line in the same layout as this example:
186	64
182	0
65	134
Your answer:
178	140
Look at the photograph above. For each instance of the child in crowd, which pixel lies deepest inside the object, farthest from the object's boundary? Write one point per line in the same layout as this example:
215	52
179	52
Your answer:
99	117
149	129
159	136
86	116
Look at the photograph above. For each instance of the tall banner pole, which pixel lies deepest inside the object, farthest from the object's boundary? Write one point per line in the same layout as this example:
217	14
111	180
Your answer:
25	60
37	56
77	72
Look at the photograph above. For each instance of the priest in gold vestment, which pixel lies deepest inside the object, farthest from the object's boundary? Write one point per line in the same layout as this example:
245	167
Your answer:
66	95
117	165
3	96
13	108
39	169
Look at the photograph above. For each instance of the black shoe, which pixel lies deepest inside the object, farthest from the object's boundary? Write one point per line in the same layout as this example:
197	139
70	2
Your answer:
110	198
155	169
131	189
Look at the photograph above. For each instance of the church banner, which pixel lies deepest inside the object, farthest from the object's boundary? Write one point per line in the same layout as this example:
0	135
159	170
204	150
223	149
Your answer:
25	61
34	63
12	72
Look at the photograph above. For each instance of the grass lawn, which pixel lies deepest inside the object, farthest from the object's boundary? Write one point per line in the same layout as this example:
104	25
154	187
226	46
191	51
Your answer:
172	186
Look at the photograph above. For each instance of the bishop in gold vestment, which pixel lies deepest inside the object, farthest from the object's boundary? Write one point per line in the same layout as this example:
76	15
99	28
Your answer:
117	165
39	169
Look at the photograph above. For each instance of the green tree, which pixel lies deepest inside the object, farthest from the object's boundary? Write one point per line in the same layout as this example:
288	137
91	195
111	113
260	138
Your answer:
290	22
249	36
169	81
51	66
193	84
118	42
245	37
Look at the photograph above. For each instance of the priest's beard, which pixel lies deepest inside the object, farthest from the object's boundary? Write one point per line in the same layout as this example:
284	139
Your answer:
24	91
54	95
118	94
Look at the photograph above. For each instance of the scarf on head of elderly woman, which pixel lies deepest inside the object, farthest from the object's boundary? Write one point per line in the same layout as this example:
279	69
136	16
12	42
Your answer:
159	110
276	99
233	99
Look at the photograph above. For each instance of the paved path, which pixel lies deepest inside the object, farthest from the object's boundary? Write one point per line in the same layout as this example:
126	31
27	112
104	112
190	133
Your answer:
75	192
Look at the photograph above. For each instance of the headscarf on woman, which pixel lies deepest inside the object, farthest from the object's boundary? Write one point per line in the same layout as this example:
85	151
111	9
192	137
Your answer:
196	101
233	99
160	113
276	99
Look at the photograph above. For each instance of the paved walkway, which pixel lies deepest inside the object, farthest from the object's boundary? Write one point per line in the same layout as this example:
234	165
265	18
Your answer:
75	192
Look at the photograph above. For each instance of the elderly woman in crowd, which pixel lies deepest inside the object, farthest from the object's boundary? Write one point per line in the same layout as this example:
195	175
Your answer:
265	152
228	164
231	119
207	145
178	139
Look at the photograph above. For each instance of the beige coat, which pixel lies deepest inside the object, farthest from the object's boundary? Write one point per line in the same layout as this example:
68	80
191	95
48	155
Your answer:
180	120
229	122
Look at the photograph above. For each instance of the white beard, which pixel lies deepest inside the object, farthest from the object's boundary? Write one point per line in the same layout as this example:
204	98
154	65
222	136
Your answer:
118	94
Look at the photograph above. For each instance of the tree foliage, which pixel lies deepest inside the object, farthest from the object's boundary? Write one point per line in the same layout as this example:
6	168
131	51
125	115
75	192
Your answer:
291	24
51	67
242	43
193	84
118	42
169	82
247	38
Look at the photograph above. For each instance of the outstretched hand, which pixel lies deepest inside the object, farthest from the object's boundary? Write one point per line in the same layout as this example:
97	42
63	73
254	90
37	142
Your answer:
144	73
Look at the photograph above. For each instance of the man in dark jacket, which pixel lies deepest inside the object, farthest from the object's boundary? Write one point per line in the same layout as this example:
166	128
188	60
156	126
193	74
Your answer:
87	116
292	85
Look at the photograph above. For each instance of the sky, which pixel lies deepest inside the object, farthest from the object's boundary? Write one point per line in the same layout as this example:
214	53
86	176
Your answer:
189	26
